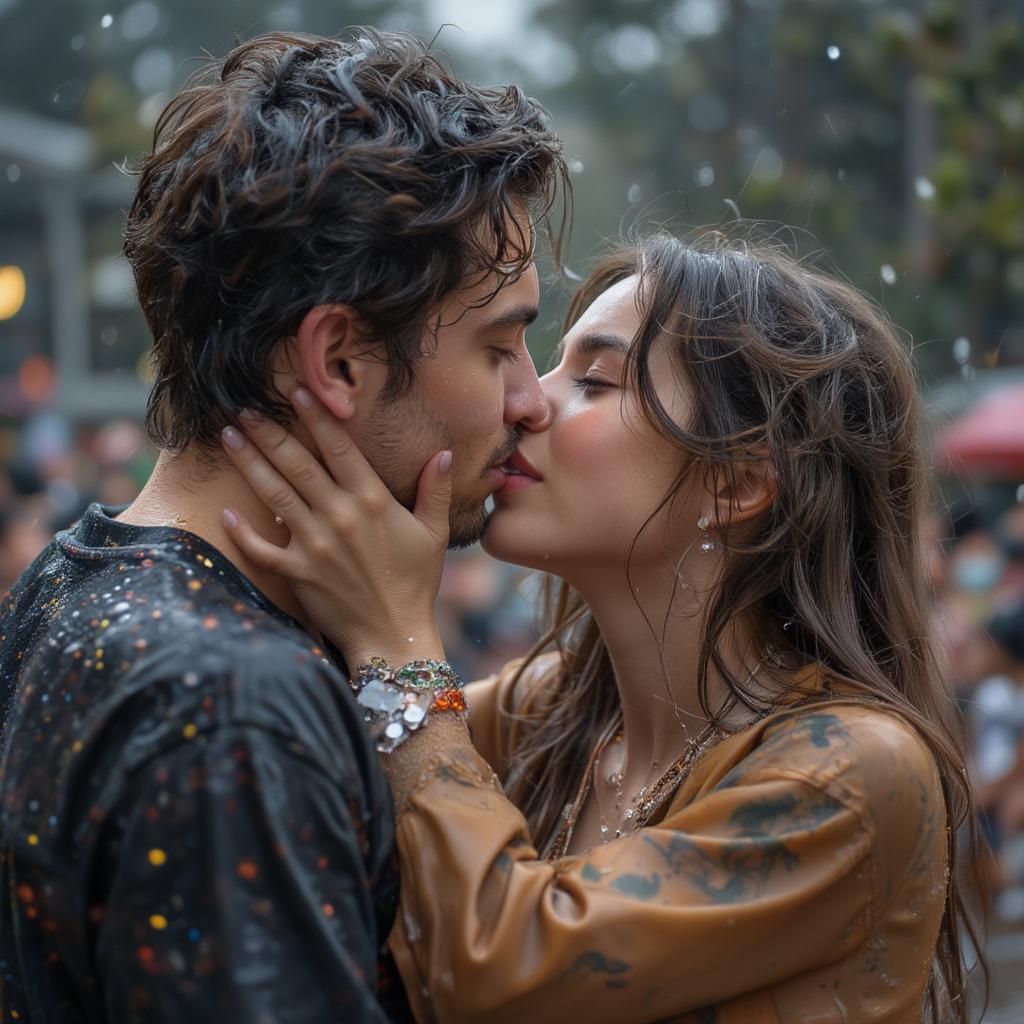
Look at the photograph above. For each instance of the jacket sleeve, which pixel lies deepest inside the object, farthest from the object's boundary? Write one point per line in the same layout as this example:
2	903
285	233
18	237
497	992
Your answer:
768	874
238	889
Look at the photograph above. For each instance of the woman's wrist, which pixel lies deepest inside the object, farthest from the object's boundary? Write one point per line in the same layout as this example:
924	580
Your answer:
408	767
400	700
413	645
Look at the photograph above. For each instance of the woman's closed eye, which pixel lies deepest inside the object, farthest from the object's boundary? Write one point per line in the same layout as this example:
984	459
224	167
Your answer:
590	385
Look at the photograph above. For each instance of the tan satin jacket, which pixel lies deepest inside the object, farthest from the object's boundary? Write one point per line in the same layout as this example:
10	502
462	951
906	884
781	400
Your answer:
798	875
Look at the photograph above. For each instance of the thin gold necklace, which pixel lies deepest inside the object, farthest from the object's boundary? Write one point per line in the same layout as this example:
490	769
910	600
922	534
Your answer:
640	814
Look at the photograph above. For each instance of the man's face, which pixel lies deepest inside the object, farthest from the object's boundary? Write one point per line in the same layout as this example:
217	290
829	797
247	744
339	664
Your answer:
475	391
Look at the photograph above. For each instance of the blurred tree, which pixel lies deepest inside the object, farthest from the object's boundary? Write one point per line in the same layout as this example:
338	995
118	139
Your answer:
890	134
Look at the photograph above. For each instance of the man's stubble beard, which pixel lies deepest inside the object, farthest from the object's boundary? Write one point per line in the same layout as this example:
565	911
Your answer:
388	432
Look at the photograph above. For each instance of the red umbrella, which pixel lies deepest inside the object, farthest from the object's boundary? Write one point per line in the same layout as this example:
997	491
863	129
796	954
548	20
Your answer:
988	439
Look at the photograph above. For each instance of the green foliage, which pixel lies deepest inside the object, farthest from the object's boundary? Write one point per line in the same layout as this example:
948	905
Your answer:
904	149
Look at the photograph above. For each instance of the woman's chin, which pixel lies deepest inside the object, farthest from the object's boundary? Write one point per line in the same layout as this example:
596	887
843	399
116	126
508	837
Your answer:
507	543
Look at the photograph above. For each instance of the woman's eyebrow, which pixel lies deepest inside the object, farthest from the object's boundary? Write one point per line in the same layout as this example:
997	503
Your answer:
597	342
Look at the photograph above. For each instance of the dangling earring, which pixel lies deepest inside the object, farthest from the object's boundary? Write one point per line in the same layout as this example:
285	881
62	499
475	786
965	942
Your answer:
707	545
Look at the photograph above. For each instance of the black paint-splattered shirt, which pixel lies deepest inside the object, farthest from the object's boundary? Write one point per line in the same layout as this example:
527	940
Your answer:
194	826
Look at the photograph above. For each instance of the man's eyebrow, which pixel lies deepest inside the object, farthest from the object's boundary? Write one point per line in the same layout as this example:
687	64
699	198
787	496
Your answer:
517	316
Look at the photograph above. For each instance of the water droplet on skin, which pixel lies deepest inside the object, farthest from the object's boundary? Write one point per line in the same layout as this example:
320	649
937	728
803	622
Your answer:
833	53
887	273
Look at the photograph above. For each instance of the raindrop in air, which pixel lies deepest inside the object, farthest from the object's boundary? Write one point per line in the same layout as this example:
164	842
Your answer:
13	173
633	195
106	21
576	166
962	350
1020	495
77	42
924	188
887	273
705	175
833	53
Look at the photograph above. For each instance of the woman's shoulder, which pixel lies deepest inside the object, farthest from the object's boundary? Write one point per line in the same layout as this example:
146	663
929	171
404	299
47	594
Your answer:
845	745
871	758
852	730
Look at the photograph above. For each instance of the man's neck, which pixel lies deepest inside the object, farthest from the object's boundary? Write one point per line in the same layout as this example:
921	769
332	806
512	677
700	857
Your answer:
191	492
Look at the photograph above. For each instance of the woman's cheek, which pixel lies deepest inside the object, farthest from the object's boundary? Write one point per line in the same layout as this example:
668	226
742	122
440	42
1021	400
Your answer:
593	445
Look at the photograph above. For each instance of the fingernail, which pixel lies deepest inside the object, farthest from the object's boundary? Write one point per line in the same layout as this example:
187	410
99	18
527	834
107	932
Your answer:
233	439
230	519
302	397
444	464
250	417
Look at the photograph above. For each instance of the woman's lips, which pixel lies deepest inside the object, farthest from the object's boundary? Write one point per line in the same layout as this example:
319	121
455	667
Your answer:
519	473
515	482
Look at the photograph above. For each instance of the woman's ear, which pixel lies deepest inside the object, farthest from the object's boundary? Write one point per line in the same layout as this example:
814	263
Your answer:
742	492
332	358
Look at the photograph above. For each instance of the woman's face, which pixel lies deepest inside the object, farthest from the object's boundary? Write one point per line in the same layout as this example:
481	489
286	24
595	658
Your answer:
602	468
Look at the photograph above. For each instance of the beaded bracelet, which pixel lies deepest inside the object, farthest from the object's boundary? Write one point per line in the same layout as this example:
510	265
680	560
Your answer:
397	703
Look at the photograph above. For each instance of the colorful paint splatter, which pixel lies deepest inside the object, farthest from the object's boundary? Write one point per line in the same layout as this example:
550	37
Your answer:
194	824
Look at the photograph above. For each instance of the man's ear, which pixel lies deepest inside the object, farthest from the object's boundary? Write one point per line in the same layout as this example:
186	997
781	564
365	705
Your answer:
743	492
332	358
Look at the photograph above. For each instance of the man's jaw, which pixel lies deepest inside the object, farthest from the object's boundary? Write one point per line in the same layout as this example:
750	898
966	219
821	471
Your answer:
466	526
468	520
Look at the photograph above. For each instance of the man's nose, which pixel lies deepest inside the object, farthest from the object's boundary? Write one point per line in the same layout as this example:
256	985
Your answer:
525	403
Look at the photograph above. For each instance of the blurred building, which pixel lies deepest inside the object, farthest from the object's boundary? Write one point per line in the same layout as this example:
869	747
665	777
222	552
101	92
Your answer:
71	338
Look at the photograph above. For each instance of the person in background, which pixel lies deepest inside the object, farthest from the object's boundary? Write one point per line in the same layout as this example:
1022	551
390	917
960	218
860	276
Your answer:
997	720
1010	531
23	534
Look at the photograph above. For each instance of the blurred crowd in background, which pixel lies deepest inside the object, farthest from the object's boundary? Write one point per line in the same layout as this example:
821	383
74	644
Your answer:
888	135
977	571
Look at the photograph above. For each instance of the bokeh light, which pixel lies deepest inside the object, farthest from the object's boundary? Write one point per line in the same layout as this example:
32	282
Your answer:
12	291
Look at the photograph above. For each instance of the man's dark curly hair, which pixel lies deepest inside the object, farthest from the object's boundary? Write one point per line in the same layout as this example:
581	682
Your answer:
302	170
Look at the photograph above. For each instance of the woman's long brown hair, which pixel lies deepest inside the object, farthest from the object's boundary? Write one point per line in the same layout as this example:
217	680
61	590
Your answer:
787	365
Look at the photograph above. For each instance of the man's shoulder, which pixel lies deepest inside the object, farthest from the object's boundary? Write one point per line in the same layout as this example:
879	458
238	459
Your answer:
130	661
